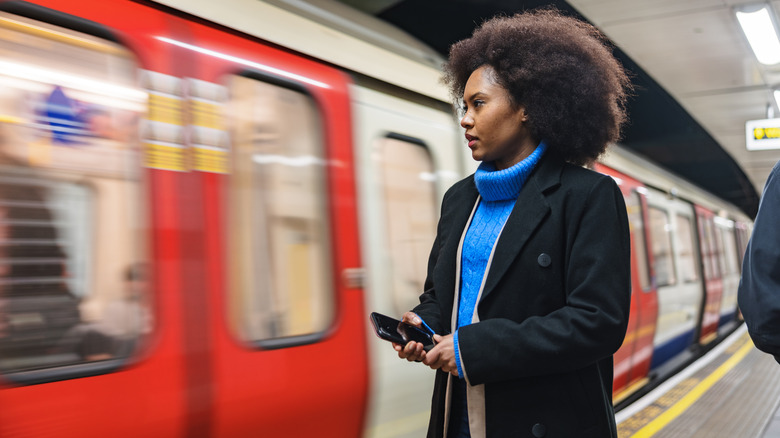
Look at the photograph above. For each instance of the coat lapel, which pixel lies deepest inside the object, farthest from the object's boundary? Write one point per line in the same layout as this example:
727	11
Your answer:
456	218
528	213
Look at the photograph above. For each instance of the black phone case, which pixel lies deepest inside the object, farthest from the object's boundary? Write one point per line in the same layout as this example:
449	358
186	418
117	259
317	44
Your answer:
393	330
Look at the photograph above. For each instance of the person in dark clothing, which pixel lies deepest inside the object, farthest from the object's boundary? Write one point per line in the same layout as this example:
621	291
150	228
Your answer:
759	287
37	308
528	284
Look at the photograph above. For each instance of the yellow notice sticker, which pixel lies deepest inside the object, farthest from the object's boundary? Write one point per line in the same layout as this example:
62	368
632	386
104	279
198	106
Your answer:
165	156
165	109
206	114
211	160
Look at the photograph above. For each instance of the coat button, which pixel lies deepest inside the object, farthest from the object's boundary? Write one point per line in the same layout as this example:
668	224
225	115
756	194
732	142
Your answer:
544	260
539	430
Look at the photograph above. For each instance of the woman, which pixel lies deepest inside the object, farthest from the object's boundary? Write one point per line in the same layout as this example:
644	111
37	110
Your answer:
528	280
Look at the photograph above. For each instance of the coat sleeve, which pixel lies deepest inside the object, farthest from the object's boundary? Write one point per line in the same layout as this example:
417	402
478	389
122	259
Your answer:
759	288
592	323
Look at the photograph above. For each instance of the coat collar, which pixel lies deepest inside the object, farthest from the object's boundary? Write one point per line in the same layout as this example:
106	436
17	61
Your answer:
529	211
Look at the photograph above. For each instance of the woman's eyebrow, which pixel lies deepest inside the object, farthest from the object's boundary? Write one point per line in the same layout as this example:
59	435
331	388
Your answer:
474	96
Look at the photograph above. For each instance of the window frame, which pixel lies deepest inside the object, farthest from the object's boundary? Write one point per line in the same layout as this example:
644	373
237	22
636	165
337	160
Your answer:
670	245
641	244
693	246
412	141
51	175
333	289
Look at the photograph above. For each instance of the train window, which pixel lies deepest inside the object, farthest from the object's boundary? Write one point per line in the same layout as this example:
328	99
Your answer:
634	207
281	279
719	255
709	249
686	249
72	277
730	249
663	262
408	187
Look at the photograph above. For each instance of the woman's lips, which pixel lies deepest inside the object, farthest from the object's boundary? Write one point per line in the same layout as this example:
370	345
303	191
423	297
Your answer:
471	140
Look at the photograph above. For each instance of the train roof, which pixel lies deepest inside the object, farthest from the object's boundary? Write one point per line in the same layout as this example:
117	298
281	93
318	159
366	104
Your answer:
644	170
343	36
332	32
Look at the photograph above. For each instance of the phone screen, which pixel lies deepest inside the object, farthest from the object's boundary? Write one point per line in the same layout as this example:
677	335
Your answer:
399	332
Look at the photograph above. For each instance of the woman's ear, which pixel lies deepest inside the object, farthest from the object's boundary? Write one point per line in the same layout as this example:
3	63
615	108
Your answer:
522	114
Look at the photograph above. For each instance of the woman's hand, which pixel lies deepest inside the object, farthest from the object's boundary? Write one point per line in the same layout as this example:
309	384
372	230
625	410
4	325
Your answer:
412	351
442	355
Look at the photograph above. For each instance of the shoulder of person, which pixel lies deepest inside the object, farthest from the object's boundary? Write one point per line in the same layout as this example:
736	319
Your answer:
583	179
774	175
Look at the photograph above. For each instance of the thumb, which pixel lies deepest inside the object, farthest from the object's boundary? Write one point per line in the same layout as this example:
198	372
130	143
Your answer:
437	338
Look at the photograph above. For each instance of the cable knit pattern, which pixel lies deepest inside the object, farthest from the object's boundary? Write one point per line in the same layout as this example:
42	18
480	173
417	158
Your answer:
498	190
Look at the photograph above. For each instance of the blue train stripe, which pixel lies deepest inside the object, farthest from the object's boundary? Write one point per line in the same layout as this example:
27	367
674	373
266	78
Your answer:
727	318
671	348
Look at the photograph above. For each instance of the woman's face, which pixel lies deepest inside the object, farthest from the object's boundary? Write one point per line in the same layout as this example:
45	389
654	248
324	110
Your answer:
496	129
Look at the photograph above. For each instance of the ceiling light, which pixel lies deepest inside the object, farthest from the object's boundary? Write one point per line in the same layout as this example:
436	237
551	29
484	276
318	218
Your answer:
777	98
760	31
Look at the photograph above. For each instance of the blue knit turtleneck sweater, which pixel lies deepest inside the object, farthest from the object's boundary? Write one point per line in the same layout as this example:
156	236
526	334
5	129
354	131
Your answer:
498	190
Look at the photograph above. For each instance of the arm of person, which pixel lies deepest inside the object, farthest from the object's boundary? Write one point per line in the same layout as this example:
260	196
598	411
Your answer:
759	288
427	313
592	323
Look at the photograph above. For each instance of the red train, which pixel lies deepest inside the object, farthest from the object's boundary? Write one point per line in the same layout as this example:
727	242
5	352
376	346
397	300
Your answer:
201	202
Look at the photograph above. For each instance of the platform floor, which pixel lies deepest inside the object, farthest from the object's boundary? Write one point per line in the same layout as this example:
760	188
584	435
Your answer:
733	391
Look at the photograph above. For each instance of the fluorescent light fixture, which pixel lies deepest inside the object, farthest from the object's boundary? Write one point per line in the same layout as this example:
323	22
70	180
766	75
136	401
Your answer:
777	98
760	31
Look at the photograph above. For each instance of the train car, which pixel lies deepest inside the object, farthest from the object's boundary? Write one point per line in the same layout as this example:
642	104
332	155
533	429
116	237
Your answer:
687	247
201	203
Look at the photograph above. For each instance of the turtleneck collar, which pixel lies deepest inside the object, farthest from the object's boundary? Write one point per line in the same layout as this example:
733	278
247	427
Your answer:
503	185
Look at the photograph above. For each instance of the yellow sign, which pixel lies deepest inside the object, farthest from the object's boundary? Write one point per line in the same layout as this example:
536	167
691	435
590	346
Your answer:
165	156
206	114
762	134
211	160
165	109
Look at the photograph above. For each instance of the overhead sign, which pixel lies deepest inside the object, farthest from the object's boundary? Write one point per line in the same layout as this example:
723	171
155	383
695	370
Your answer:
762	135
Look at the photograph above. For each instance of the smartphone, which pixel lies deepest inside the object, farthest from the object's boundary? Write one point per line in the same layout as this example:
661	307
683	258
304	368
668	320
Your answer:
393	330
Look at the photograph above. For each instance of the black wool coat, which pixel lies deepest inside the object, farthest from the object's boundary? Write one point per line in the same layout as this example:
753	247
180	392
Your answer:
759	287
553	310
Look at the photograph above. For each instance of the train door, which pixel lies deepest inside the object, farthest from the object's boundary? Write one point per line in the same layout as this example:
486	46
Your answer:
676	267
632	360
406	160
729	267
710	253
284	314
88	341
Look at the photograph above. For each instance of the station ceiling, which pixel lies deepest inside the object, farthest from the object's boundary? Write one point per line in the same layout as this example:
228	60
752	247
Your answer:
697	81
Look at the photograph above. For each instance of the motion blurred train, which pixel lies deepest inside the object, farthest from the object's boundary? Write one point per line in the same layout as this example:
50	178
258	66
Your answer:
201	202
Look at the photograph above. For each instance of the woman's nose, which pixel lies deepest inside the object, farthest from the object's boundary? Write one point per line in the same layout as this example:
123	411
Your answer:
466	121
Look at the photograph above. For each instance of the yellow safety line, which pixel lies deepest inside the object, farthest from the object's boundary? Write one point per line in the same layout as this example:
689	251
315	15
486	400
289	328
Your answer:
678	408
634	387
